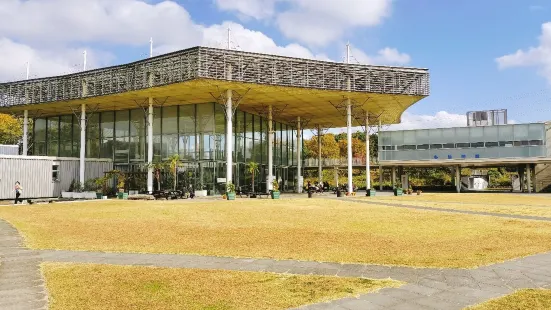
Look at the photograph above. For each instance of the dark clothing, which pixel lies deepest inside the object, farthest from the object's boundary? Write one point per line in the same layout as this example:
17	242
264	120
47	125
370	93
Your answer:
17	194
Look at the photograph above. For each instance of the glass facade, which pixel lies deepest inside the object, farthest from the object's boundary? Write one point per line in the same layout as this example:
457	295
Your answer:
195	132
501	141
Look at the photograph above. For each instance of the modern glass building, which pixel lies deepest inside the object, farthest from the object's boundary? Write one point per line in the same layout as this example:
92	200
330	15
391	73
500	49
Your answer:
486	142
195	132
179	103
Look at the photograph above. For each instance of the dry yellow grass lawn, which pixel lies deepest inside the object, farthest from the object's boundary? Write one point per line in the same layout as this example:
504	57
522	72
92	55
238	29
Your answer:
87	286
495	203
305	229
531	299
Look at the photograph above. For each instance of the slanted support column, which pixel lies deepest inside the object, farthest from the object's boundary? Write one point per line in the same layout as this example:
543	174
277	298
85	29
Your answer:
270	147
458	179
82	143
381	173
25	132
320	167
528	179
393	177
150	145
229	137
367	157
349	139
299	156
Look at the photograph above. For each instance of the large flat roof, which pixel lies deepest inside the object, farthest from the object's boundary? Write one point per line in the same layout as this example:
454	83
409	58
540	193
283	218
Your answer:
314	90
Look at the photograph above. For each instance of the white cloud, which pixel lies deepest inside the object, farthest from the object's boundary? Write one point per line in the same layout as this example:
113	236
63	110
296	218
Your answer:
441	119
61	29
539	57
314	22
385	56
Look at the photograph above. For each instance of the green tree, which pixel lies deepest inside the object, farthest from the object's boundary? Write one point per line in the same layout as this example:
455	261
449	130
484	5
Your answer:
252	168
173	163
11	129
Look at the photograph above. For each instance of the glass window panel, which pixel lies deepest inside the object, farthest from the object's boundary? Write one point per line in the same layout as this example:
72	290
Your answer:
107	125
157	121
436	146
449	146
187	146
157	148
40	129
92	148
66	136
40	148
137	123
492	144
137	148
170	145
122	125
239	136
423	147
536	142
121	149
53	129
521	131
187	119
53	148
477	144
462	145
505	133
106	148
220	129
170	120
76	149
536	131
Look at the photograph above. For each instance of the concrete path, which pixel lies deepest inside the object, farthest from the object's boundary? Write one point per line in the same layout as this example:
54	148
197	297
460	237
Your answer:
406	206
22	287
21	283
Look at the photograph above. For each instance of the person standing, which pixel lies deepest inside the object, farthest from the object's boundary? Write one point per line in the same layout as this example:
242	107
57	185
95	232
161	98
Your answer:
18	192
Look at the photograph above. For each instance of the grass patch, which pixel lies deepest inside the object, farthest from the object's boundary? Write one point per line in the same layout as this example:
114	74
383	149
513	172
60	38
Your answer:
92	286
495	203
533	299
305	229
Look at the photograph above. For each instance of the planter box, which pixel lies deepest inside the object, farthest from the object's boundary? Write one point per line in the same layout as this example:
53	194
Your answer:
230	196
398	192
66	194
99	195
133	192
78	195
121	195
104	197
275	194
89	195
370	192
201	193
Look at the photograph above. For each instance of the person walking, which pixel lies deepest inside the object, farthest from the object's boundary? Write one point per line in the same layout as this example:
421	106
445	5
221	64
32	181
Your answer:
18	192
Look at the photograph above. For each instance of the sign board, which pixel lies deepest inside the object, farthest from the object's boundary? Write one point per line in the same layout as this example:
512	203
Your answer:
221	180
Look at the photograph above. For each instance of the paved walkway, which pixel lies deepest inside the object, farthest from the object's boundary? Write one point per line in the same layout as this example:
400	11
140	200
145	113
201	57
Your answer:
22	287
21	283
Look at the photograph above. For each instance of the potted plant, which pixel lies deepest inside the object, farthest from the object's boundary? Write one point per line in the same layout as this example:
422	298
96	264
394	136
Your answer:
202	192
69	193
120	185
101	187
230	191
89	189
77	190
275	190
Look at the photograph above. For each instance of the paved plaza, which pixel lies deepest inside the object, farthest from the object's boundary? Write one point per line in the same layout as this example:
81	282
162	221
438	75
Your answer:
22	286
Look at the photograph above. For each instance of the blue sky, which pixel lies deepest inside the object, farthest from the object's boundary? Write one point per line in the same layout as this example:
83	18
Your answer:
459	41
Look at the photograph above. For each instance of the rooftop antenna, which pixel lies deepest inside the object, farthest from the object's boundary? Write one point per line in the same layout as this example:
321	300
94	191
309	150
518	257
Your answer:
151	47
28	69
84	66
348	52
229	37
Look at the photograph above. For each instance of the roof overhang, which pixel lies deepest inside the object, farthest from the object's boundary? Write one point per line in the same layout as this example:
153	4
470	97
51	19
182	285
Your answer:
316	91
486	162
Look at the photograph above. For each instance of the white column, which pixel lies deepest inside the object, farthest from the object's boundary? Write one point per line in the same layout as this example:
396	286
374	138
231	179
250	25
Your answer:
349	138
150	145
299	156
367	157
25	132
458	179
270	148
528	179
82	143
229	137
320	167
